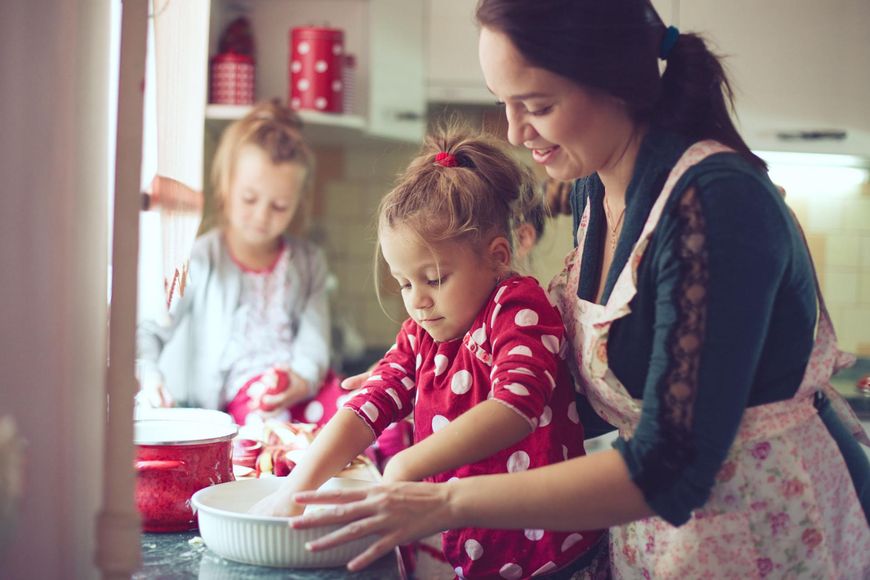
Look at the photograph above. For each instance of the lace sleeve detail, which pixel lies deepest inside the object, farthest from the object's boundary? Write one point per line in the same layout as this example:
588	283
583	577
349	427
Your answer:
680	386
678	390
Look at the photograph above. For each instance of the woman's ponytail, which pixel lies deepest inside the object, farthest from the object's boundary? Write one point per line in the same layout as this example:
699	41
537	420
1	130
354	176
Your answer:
614	46
696	99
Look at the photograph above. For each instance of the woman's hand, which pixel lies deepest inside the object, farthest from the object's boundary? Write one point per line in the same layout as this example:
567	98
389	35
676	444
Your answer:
398	513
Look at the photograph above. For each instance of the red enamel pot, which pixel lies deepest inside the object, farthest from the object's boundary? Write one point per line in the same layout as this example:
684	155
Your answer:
174	460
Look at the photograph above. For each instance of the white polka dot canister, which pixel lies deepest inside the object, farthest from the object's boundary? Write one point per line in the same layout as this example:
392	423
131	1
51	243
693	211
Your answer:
315	69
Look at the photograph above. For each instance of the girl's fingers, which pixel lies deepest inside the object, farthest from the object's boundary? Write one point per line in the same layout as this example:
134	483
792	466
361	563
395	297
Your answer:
269	402
354	382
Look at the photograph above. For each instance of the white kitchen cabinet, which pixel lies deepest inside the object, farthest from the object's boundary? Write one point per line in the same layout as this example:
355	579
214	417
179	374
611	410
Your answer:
452	69
798	66
385	36
453	72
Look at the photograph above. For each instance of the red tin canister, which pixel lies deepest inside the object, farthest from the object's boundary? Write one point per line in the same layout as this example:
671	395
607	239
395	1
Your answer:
232	79
316	63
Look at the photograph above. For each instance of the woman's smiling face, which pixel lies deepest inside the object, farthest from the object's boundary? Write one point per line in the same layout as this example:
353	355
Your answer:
572	131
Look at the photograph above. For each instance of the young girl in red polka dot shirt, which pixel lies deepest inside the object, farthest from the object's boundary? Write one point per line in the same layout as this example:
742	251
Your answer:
479	361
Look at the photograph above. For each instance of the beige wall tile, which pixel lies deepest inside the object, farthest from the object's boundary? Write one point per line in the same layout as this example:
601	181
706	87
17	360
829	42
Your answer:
361	243
864	289
865	252
842	250
824	215
837	314
857	215
854	329
841	288
330	168
378	160
799	207
548	257
818	244
335	234
344	199
355	178
357	278
380	329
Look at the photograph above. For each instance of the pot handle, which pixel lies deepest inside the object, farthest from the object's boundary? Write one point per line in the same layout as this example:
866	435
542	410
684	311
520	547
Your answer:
159	465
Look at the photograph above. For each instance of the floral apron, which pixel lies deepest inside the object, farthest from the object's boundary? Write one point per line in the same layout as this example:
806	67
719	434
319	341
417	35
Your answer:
783	504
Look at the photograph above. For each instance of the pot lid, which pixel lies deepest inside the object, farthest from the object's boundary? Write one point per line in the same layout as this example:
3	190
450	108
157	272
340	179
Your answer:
151	432
194	414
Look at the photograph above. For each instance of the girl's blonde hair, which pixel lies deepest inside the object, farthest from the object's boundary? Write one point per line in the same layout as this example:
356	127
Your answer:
277	131
461	186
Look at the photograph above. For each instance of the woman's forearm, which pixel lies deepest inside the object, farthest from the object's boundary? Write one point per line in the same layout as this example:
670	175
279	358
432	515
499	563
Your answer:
589	492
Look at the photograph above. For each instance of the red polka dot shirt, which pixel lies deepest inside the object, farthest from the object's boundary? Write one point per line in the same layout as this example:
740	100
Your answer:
511	354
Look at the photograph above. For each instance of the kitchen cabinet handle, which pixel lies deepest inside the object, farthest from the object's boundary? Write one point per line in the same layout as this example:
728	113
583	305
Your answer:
409	116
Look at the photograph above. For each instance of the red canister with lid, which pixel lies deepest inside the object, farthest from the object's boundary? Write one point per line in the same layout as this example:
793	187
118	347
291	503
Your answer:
316	62
232	79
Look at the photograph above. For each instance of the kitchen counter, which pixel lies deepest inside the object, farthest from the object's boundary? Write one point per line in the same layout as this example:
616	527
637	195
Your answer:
184	555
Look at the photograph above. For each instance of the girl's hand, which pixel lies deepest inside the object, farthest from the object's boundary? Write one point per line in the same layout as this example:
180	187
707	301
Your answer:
297	390
395	470
154	395
355	382
398	513
279	504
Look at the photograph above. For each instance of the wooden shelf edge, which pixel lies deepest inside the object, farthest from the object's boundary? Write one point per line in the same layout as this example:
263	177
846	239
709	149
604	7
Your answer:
234	112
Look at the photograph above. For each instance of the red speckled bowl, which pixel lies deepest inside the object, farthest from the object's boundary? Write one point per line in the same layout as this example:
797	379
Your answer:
174	460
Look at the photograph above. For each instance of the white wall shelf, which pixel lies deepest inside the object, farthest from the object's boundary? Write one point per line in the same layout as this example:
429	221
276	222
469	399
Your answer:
386	38
235	112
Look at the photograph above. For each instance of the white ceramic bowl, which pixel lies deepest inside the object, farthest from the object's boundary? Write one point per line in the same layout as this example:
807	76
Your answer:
233	534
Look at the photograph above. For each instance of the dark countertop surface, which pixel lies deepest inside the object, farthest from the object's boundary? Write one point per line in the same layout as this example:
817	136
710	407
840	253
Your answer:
184	555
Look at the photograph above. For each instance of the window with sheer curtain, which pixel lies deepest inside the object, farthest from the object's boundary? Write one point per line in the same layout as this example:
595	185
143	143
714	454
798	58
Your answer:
175	100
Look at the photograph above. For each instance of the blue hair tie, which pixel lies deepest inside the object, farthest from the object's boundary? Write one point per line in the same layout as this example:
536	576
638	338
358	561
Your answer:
668	41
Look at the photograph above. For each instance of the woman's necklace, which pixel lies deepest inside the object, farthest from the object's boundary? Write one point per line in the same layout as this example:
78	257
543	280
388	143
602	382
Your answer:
613	229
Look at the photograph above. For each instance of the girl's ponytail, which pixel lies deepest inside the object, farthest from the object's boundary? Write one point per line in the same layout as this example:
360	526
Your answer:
462	184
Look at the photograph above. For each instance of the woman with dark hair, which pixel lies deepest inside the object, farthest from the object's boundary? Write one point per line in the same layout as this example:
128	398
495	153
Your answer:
694	320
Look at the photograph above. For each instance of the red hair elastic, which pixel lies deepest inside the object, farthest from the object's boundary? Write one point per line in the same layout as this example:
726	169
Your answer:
445	159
